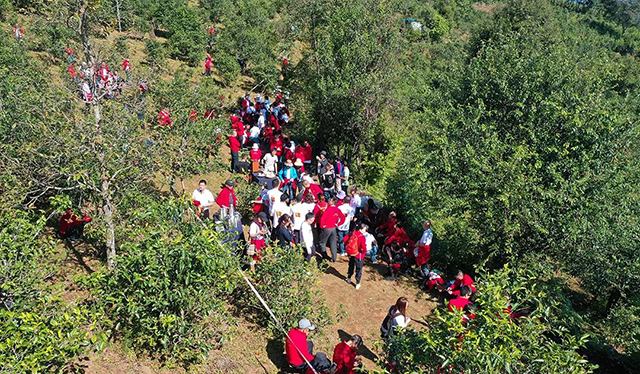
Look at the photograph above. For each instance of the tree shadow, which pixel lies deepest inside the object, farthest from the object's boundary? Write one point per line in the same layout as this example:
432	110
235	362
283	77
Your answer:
275	353
363	351
81	251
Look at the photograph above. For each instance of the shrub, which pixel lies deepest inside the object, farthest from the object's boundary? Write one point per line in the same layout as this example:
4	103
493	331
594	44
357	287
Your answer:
289	286
167	294
228	67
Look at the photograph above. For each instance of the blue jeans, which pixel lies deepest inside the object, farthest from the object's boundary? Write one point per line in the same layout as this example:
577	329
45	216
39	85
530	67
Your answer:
373	253
341	245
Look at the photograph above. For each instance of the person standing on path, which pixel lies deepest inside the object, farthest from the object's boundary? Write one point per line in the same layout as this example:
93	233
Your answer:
331	218
203	199
356	249
234	146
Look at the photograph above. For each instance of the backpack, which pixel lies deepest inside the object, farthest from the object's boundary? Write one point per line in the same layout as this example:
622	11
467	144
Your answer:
352	245
386	329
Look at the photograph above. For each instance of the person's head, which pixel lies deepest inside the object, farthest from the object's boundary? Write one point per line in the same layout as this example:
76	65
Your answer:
354	191
306	143
306	183
255	146
262	217
288	163
341	195
309	218
392	215
229	183
202	185
264	185
459	275
321	198
336	159
427	224
332	200
323	154
355	341
244	157
274	151
347	199
465	291
363	228
298	163
305	325
284	198
309	199
284	220
401	305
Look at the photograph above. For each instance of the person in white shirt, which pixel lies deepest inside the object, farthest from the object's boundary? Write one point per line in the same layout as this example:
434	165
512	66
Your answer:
372	246
203	198
422	251
299	211
270	161
261	121
356	201
349	212
280	209
306	237
254	134
273	196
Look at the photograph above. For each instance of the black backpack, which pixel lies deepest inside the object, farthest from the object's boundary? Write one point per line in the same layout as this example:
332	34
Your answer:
387	324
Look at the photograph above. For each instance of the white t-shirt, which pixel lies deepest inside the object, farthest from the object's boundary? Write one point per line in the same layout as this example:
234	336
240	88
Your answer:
279	210
427	237
270	163
306	236
370	240
299	211
261	121
274	197
401	321
356	201
205	198
348	212
345	174
254	229
254	132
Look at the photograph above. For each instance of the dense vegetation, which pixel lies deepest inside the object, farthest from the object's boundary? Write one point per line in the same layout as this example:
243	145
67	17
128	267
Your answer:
513	125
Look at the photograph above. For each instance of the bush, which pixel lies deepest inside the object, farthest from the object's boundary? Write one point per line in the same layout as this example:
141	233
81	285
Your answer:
436	25
155	52
167	294
289	286
494	342
228	67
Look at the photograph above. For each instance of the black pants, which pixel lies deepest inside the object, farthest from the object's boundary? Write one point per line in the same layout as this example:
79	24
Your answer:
355	264
308	256
329	238
75	232
234	161
303	367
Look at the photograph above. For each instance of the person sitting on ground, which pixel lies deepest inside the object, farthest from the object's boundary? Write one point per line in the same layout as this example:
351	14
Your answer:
298	349
203	199
344	355
71	226
462	279
388	228
434	279
227	195
462	300
284	234
396	318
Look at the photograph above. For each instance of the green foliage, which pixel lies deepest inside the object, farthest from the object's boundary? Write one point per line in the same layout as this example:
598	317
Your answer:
155	51
5	8
246	193
622	328
493	342
187	37
167	294
228	67
436	25
289	286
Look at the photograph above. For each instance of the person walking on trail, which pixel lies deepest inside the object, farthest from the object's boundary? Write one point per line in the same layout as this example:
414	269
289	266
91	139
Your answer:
356	249
234	146
207	66
331	218
203	199
328	182
227	196
396	318
298	349
349	212
344	179
306	237
345	355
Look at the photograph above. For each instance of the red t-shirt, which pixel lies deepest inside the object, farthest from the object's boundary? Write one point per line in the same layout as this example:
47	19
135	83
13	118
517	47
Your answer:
458	303
255	154
362	244
332	218
234	144
314	190
225	196
308	153
345	358
298	339
318	211
466	281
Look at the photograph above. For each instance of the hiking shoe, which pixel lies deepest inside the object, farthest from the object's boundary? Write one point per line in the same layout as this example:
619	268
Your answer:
343	254
348	280
358	286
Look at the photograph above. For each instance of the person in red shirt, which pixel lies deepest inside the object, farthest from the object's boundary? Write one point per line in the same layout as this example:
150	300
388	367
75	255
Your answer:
193	116
388	228
207	66
72	73
311	189
399	237
330	220
308	155
71	226
462	279
356	260
461	301
344	355
256	155
298	349
164	119
238	126
234	146
126	66
227	195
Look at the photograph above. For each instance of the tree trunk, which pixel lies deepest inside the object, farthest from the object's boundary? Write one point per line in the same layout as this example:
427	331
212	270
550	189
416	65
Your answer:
614	296
118	14
111	228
